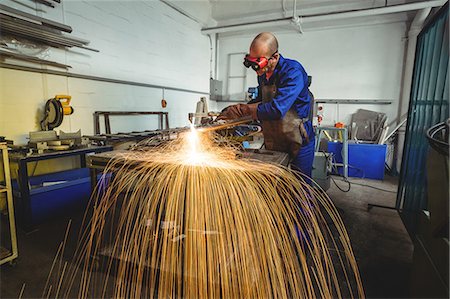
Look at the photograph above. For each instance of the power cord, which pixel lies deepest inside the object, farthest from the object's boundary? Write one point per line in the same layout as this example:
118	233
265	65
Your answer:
373	187
344	179
327	156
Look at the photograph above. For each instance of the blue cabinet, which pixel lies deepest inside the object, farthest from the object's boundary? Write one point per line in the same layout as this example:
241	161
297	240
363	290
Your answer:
364	160
41	197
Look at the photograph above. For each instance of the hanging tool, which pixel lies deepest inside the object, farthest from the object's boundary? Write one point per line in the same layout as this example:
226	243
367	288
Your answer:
55	109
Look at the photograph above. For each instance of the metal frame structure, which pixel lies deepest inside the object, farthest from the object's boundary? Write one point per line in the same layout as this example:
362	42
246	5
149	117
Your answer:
5	254
163	118
344	164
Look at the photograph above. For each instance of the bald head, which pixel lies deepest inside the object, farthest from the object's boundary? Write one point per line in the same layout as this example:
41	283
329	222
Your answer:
264	44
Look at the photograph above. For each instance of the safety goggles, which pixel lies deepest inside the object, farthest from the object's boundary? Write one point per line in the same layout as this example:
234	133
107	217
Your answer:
257	63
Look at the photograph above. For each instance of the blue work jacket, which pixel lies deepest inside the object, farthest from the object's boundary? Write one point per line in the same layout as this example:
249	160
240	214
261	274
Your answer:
291	80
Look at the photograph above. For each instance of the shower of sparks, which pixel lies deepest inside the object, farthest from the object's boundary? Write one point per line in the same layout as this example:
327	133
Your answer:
187	219
197	149
194	155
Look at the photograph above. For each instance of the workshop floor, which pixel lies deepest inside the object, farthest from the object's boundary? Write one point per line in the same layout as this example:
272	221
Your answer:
381	244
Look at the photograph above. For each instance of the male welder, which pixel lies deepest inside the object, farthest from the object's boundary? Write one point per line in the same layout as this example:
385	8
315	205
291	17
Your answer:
283	104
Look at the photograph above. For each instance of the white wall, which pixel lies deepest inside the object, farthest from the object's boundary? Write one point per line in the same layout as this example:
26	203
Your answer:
141	41
362	62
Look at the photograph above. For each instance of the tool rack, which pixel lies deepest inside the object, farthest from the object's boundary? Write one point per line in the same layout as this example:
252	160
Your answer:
5	254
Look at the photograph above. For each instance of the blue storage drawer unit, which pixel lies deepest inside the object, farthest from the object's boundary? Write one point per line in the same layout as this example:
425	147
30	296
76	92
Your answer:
365	160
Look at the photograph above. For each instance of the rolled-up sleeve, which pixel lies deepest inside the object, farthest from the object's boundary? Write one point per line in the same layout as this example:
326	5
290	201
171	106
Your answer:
292	82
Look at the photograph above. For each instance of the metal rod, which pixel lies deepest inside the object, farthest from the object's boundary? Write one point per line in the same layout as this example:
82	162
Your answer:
127	113
40	33
13	20
43	21
33	33
21	26
233	123
94	78
395	130
33	59
45	2
353	101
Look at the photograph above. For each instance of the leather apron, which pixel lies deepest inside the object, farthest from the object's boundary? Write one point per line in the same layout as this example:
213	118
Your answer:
284	135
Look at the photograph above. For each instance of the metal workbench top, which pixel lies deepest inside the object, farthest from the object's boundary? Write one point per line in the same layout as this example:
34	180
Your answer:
100	160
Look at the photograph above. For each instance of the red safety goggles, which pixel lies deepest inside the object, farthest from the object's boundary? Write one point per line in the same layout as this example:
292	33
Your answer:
257	63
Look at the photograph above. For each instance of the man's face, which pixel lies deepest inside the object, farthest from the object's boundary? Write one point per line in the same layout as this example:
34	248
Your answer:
256	52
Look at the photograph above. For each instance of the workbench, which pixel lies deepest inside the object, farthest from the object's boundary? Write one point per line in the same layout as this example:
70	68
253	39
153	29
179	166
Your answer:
98	162
34	197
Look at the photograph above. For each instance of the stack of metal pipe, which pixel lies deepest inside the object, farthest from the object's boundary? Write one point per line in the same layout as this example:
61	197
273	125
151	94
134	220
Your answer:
19	24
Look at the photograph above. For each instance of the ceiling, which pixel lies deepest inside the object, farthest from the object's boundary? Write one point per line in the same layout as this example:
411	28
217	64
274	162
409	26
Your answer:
229	10
217	13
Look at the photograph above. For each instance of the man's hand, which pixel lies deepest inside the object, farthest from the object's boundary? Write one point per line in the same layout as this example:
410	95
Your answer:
238	111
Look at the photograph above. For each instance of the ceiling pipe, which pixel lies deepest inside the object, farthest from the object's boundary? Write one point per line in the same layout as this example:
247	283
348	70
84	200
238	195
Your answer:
296	22
326	17
283	7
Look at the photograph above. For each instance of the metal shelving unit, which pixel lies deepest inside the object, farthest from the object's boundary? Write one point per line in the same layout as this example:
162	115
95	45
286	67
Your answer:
344	133
7	255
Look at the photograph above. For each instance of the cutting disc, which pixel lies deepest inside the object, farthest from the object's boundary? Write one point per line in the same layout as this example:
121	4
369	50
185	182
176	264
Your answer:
54	115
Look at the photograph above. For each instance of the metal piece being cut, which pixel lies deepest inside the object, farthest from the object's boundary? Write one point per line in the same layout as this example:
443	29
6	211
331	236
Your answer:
219	126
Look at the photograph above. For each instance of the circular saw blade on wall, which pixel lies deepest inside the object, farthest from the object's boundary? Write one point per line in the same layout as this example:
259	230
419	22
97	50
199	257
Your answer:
54	112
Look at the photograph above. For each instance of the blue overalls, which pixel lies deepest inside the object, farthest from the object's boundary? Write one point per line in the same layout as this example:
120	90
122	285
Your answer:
285	106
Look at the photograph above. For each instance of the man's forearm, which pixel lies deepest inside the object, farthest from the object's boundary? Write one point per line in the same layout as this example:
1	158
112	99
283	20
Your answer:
268	111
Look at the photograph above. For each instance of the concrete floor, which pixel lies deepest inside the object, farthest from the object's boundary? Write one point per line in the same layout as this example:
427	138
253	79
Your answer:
380	242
